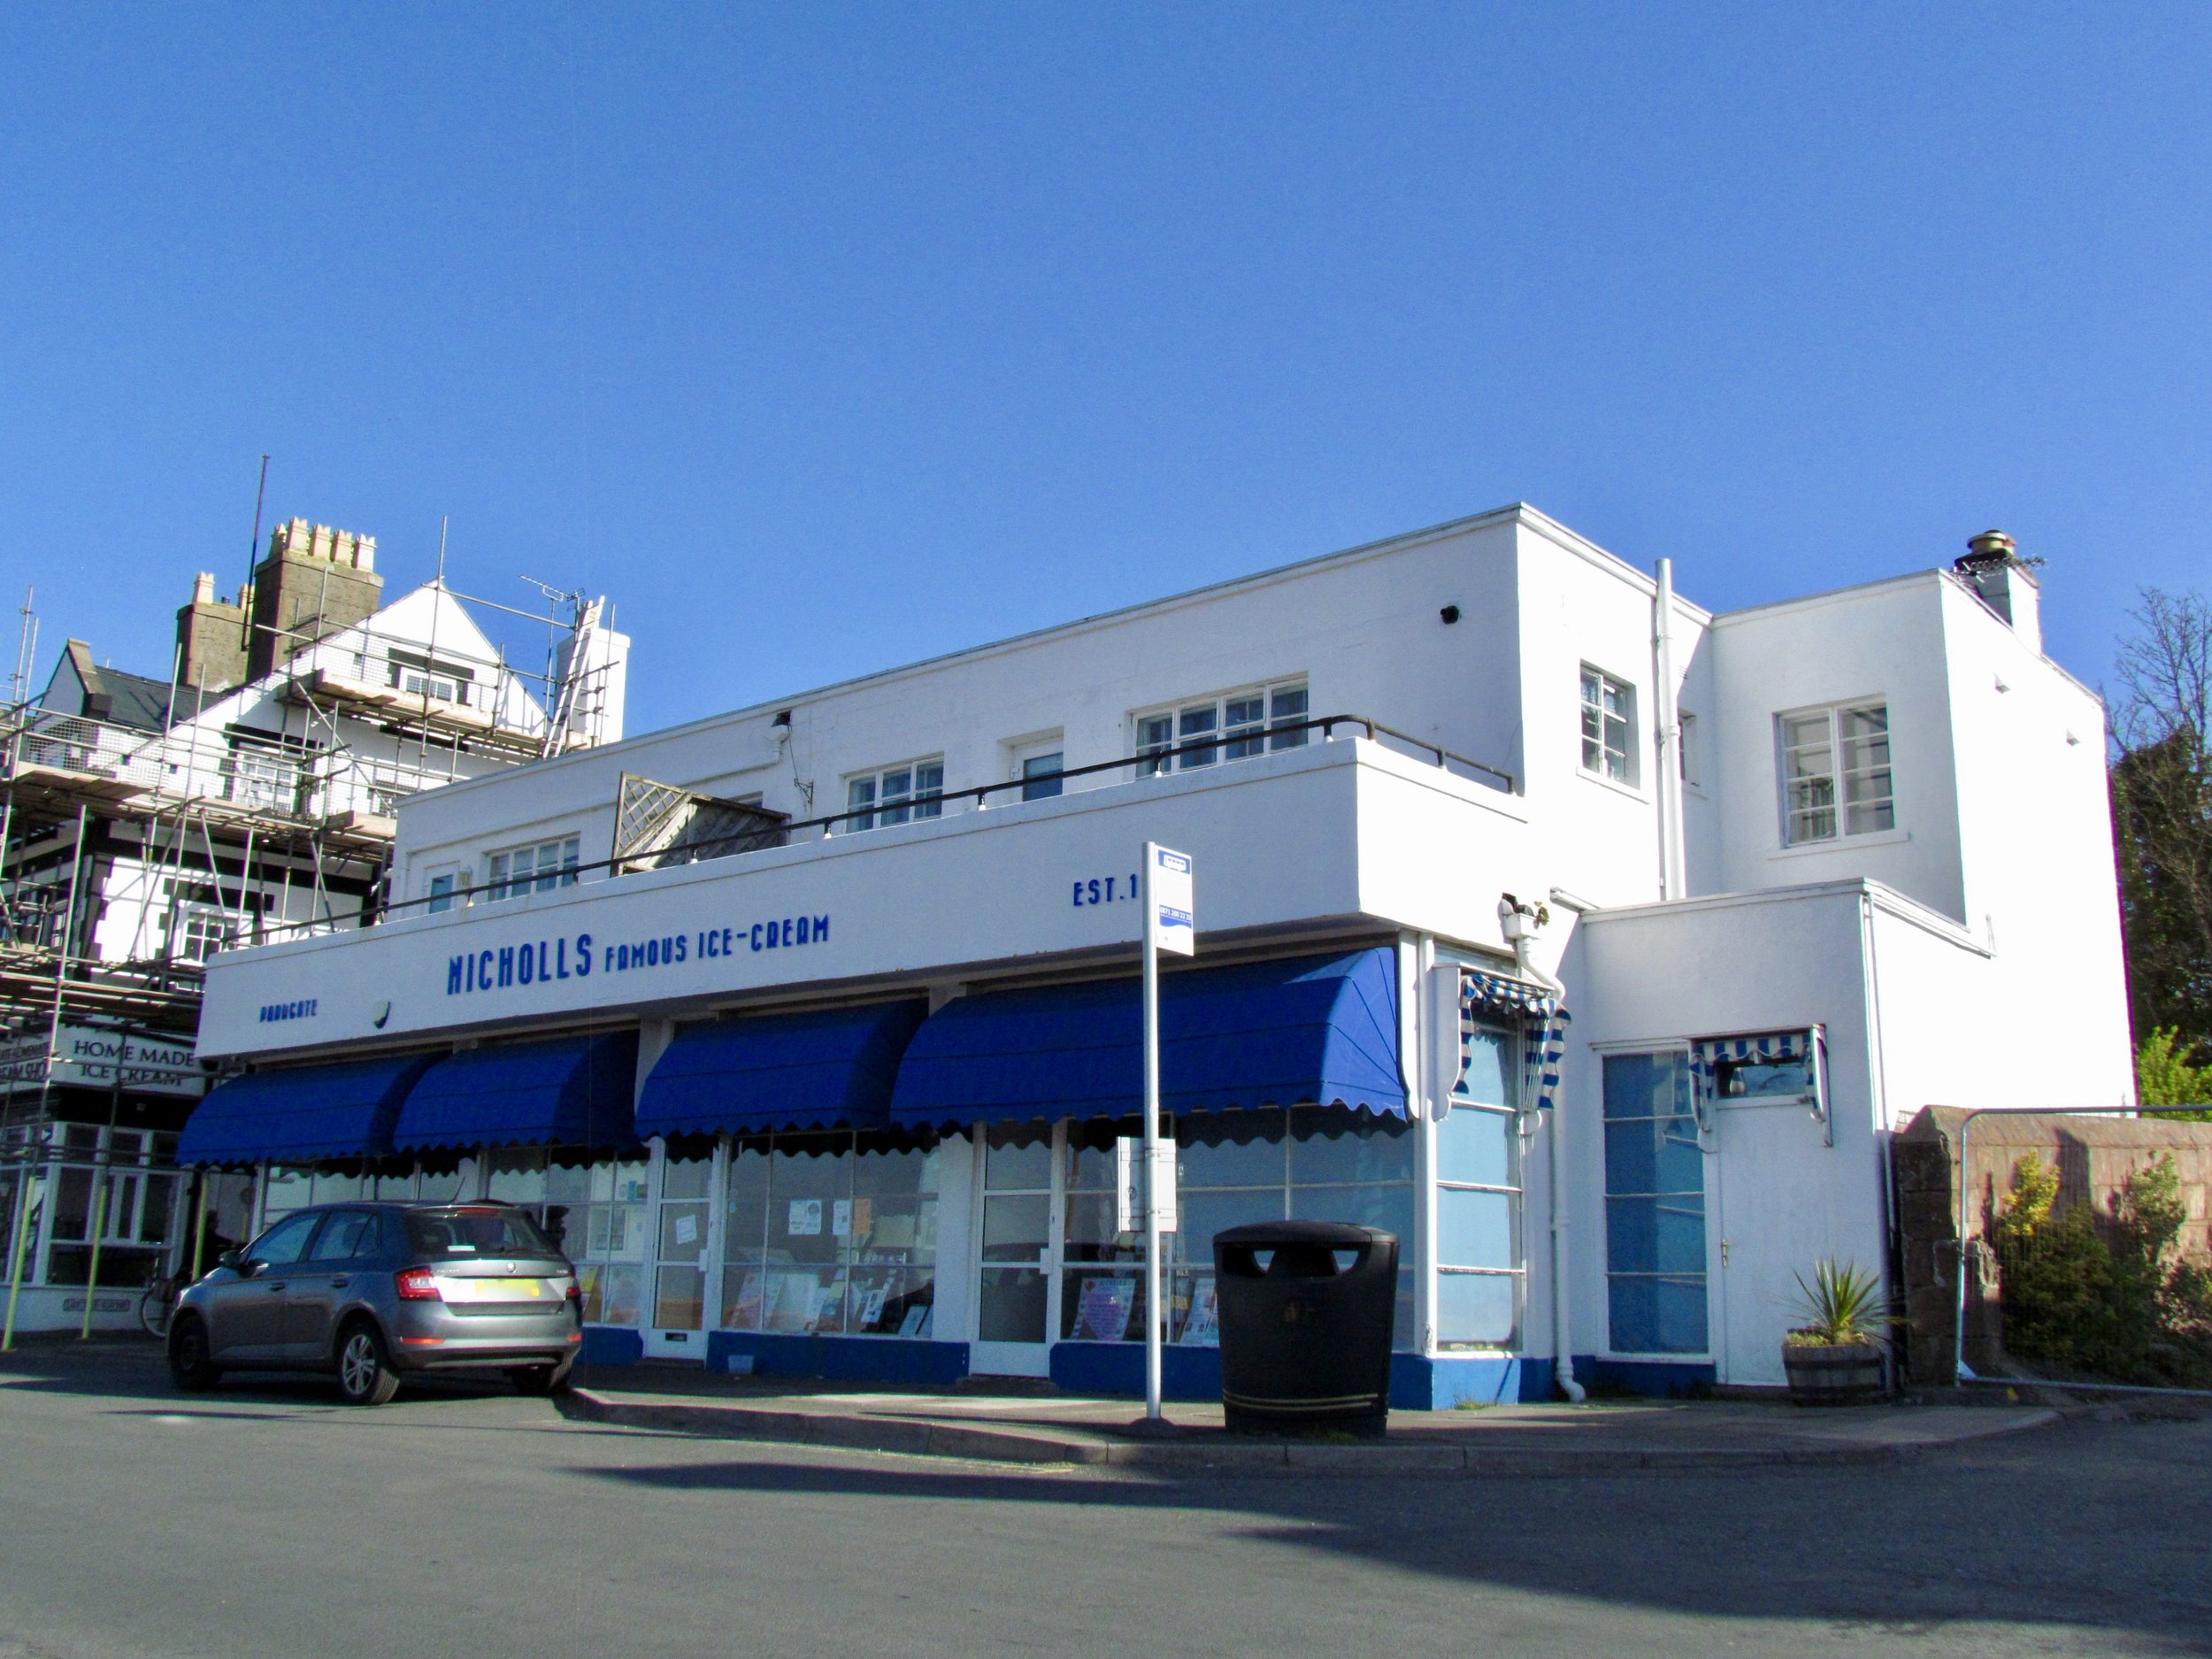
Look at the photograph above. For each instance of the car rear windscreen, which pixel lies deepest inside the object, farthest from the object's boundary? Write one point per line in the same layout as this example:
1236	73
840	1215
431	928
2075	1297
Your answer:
472	1234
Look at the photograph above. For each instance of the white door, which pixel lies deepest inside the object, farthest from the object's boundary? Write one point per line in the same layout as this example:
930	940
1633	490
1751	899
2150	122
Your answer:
684	1257
1775	1177
1017	1276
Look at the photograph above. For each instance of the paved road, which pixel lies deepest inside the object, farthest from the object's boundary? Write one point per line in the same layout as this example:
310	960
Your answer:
266	1520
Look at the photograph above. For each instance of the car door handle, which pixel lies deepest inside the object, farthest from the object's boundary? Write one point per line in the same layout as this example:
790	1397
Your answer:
340	1283
276	1289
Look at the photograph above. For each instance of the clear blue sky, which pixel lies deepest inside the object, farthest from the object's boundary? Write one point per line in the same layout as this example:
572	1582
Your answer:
825	338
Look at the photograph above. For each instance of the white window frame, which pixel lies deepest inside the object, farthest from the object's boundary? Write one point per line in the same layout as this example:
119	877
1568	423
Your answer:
442	682
506	875
905	792
1249	720
1607	704
194	927
1804	761
448	889
1514	1192
262	775
1038	766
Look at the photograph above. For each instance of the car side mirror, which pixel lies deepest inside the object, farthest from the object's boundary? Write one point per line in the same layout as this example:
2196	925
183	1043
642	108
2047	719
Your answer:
235	1261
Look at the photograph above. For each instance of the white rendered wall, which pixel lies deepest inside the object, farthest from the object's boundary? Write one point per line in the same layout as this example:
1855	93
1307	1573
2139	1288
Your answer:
1778	1196
1364	630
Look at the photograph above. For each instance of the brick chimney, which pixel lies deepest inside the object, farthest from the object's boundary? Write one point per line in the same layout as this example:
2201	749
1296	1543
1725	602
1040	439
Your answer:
315	581
212	636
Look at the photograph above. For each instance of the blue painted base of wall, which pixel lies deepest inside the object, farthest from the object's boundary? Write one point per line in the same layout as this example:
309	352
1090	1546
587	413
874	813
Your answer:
611	1344
1481	1380
1416	1383
1662	1378
841	1358
1117	1369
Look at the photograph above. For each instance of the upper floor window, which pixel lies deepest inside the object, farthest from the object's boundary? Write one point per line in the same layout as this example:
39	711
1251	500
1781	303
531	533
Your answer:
1230	727
259	775
448	889
196	932
1609	724
441	681
1835	774
914	789
1041	775
518	871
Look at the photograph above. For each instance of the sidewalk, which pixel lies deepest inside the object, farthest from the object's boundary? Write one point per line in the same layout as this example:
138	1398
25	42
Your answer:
1602	1438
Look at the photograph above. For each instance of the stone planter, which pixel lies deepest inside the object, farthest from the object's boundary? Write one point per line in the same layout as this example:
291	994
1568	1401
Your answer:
1847	1375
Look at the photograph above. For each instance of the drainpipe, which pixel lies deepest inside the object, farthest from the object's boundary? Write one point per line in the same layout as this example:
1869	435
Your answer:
1665	705
1520	926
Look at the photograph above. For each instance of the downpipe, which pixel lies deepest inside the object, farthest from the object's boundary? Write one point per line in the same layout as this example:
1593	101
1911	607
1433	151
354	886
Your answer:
1520	924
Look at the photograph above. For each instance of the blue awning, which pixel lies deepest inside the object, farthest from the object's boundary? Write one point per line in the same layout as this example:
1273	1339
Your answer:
824	1069
1311	1030
297	1114
571	1091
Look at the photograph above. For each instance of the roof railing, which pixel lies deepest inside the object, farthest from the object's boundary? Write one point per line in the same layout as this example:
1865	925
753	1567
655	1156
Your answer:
1151	763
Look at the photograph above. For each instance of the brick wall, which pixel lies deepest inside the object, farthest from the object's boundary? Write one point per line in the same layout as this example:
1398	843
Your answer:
2094	1157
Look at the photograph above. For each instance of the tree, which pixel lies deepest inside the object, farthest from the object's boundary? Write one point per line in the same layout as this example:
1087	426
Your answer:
2163	1076
2161	809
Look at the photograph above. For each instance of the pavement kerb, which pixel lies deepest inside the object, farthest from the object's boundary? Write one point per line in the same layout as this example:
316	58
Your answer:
922	1437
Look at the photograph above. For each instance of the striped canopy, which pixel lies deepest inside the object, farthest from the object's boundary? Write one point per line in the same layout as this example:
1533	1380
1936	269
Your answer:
1492	999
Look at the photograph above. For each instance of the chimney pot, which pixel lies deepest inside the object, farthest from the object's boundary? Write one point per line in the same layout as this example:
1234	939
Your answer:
1989	547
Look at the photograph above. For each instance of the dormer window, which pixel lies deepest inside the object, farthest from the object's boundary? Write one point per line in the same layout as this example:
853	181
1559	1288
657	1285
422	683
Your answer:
442	682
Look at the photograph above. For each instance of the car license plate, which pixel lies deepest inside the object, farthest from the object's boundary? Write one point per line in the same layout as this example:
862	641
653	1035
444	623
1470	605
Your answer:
469	1290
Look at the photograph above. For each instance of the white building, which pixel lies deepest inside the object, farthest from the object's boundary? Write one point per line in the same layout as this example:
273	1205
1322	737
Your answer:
147	823
833	1091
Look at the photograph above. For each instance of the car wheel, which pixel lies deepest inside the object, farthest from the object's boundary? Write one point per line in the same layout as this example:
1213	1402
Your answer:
541	1379
189	1366
366	1377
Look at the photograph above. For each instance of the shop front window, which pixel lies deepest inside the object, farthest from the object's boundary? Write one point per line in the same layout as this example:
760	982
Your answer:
115	1195
831	1233
1101	1274
606	1241
1479	1252
1311	1163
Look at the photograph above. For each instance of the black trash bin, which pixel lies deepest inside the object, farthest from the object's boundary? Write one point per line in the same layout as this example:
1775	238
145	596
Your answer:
1306	1309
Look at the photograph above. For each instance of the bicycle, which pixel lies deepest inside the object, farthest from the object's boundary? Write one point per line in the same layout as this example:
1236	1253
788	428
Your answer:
160	1303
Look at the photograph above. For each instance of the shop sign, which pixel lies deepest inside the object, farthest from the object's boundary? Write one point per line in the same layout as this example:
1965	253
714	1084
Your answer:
86	1056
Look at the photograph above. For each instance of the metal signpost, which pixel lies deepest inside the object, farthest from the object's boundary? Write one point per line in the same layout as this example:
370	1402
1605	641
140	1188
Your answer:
1168	925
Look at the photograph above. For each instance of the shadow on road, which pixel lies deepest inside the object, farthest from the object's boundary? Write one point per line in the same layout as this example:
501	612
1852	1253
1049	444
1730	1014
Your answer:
137	1371
2090	1526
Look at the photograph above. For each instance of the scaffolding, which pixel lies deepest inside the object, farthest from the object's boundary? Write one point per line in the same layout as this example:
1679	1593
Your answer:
130	852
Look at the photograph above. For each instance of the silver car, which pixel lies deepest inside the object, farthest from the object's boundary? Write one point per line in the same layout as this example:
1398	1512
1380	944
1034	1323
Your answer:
374	1292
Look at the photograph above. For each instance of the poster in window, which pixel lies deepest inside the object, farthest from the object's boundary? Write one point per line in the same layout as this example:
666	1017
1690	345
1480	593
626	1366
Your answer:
872	1308
745	1313
1203	1323
686	1229
841	1218
805	1220
1102	1312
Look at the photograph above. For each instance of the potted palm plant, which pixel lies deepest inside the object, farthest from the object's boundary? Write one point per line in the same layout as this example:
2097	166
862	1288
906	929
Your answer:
1834	1358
